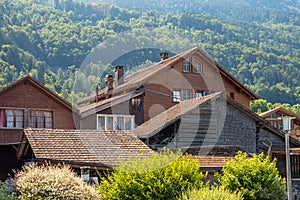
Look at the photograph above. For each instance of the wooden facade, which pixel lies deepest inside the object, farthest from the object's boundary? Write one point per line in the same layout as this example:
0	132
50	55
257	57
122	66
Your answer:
189	74
27	103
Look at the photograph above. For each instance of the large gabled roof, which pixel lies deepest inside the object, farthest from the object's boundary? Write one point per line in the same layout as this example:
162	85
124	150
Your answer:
170	116
84	147
41	87
138	78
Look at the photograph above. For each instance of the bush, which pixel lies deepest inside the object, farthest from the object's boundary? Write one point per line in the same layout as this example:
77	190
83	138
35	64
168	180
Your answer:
5	192
161	176
213	194
52	182
255	178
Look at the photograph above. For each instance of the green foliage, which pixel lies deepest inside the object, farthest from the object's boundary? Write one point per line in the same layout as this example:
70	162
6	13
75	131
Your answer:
256	178
52	182
262	105
4	191
258	42
210	194
161	176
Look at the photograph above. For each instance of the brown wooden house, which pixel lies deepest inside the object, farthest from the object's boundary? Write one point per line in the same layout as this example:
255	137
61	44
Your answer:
27	103
134	99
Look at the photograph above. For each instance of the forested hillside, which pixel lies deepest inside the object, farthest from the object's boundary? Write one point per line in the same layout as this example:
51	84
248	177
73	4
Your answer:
50	39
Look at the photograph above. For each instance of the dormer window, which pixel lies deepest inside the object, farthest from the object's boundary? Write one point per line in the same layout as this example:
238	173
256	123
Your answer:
187	66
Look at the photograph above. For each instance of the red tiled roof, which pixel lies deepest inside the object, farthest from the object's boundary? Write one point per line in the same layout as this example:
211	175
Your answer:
85	146
164	119
213	161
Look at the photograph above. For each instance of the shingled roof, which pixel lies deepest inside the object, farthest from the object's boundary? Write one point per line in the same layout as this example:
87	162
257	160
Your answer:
170	116
84	147
138	78
164	119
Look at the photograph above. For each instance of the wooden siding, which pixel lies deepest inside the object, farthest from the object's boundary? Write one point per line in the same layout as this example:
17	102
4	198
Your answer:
210	80
10	135
28	96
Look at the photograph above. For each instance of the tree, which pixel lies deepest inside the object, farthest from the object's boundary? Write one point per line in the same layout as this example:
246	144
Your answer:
161	176
255	178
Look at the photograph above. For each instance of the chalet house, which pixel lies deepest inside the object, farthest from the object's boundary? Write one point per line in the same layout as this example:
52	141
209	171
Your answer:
27	103
93	149
214	122
275	115
129	101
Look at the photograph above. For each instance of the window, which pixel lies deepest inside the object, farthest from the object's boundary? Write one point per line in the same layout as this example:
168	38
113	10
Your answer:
176	96
197	67
187	66
115	122
40	119
179	95
186	94
199	94
10	118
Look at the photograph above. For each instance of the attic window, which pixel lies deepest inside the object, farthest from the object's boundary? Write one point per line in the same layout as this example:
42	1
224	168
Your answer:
11	118
40	119
187	66
197	67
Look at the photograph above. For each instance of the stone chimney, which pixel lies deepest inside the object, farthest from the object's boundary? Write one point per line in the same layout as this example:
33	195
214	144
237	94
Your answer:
164	55
109	82
119	75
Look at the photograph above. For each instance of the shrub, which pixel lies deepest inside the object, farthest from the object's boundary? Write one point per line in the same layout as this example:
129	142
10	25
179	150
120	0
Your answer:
213	194
255	178
52	182
161	176
5	191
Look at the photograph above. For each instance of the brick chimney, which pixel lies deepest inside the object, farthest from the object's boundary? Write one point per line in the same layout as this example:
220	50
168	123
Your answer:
119	75
109	82
164	55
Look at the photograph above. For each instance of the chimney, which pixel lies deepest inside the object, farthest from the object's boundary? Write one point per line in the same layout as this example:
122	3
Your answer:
109	82
119	75
164	55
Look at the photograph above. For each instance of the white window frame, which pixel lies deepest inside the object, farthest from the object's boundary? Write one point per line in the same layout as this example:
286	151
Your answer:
198	94
187	63
176	95
196	65
115	122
